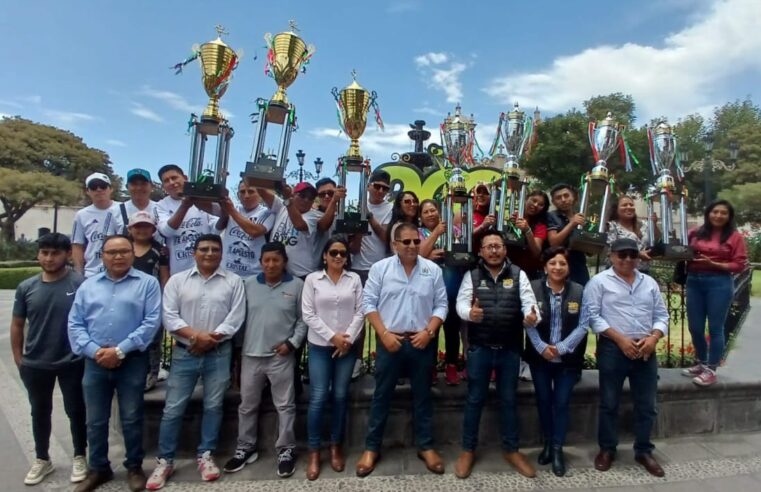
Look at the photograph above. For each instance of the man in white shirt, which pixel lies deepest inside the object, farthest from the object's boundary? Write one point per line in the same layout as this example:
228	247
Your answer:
93	224
328	197
203	308
405	301
139	186
180	220
244	233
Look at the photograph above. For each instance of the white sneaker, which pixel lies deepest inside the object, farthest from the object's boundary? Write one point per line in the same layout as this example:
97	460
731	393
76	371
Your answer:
78	469
163	375
39	470
160	475
524	373
208	468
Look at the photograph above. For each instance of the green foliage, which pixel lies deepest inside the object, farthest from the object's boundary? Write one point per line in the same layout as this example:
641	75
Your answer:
620	105
17	250
11	277
746	199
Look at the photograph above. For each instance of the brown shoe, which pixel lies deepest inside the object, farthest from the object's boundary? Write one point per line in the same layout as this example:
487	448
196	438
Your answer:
93	480
603	460
652	466
337	460
313	464
464	464
367	462
432	460
518	461
136	479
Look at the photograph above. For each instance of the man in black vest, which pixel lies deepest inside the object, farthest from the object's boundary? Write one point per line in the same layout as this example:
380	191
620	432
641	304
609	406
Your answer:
496	300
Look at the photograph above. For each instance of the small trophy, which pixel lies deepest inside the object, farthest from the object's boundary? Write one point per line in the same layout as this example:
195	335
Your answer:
604	138
663	153
353	103
287	56
217	64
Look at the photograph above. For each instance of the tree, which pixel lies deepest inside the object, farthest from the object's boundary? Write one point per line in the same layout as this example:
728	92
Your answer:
20	191
41	163
620	105
746	199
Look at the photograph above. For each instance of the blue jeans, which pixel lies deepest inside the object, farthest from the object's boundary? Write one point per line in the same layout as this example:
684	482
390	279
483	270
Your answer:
709	296
99	384
417	365
213	368
329	378
614	367
553	385
481	361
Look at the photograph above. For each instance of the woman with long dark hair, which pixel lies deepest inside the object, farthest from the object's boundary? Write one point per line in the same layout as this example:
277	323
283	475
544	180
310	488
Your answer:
624	223
719	252
332	310
406	209
533	225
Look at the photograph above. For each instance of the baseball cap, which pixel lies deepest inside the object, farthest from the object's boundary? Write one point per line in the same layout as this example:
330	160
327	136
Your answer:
624	244
141	218
381	176
482	186
304	186
133	174
97	177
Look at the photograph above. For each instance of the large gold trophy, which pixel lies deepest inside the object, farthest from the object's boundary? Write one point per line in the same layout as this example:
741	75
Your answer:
217	62
287	56
353	103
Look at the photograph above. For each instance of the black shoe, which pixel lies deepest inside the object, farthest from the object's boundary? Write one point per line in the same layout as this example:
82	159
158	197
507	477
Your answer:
240	459
94	480
558	461
286	463
545	457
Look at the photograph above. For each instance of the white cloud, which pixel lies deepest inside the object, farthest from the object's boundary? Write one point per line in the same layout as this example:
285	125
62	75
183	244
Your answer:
442	73
10	104
68	117
145	113
393	139
675	76
171	99
3	115
431	111
32	99
115	143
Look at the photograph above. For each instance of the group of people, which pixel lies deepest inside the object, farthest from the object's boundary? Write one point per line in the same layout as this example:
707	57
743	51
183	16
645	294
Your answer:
243	289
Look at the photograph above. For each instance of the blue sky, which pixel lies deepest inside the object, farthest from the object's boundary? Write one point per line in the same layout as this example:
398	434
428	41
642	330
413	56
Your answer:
101	68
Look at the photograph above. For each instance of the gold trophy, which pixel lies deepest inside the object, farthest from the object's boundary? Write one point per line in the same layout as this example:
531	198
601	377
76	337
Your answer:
218	61
287	56
353	103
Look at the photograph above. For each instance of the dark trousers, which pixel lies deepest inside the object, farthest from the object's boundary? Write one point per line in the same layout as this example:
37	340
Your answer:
39	385
480	362
99	384
451	330
389	367
614	367
553	385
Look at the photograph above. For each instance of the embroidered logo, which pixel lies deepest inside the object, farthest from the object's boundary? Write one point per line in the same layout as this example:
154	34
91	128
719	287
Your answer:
507	283
573	307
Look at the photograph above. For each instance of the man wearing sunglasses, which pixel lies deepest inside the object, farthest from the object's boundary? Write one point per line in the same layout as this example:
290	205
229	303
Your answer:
405	301
627	311
93	224
328	197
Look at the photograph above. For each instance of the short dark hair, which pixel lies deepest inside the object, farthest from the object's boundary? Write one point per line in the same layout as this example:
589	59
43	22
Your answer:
380	175
404	226
552	252
323	181
54	240
116	236
170	167
494	232
274	247
562	186
207	237
333	240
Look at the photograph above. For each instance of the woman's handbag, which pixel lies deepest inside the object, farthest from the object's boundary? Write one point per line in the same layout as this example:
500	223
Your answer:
680	273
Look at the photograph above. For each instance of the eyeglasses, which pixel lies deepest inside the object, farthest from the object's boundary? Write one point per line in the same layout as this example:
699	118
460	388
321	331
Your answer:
631	254
338	252
380	187
117	252
493	247
98	186
326	194
409	201
407	242
209	249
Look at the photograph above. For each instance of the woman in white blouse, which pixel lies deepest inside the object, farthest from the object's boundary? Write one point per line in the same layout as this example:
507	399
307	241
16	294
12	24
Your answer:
624	223
332	309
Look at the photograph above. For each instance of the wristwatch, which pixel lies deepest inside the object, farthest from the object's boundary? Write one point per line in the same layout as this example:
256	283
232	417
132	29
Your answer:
121	355
430	333
192	340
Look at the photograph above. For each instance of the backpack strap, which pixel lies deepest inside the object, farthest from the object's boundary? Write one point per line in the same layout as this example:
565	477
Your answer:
125	219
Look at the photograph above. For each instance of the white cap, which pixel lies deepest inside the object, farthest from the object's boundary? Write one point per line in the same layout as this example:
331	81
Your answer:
99	177
141	217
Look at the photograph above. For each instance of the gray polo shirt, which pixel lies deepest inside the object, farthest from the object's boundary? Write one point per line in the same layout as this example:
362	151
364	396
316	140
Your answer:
273	315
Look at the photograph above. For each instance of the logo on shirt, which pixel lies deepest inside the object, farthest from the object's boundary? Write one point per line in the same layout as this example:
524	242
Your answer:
483	285
241	249
425	271
239	233
71	293
507	283
573	307
286	234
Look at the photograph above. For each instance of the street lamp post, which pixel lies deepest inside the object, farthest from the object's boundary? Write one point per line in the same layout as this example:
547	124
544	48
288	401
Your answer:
318	166
300	173
708	165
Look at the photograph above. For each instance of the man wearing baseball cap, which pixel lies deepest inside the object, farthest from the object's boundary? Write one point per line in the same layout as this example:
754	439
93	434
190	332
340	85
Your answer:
139	186
94	223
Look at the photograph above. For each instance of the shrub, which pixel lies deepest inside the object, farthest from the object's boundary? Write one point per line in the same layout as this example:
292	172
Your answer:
19	250
11	277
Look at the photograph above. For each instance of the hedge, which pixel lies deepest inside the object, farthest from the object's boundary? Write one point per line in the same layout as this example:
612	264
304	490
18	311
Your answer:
11	277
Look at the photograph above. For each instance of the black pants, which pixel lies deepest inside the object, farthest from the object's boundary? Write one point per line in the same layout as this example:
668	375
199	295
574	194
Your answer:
39	385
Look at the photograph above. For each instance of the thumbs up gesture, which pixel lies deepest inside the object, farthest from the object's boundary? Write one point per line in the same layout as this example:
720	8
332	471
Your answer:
531	318
476	312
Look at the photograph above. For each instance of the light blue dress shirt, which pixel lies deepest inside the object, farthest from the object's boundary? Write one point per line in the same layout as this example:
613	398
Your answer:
405	303
634	310
125	313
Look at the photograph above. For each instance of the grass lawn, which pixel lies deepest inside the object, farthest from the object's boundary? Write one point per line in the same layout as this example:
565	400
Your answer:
755	290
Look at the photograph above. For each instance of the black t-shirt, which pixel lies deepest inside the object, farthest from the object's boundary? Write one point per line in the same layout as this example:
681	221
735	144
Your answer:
577	261
157	256
46	306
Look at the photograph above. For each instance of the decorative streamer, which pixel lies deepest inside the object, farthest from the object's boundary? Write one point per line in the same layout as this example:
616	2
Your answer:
179	66
591	134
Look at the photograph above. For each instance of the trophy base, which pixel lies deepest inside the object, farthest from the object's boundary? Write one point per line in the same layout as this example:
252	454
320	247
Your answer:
352	224
354	164
671	252
459	257
204	191
277	112
513	240
265	175
591	243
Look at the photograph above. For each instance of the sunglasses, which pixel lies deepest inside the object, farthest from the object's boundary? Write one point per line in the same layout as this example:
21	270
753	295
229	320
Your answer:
338	252
407	242
99	186
631	254
381	187
326	194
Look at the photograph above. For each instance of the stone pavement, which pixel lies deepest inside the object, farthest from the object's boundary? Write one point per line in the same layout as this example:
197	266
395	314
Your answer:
707	462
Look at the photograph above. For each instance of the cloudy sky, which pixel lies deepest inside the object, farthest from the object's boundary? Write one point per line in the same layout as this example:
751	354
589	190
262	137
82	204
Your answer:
101	68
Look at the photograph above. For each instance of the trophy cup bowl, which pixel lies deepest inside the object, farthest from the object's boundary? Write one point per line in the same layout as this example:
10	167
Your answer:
355	103
513	133
664	147
456	184
606	138
215	58
287	56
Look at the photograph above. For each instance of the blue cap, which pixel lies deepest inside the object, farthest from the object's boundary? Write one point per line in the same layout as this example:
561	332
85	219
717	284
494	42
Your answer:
138	173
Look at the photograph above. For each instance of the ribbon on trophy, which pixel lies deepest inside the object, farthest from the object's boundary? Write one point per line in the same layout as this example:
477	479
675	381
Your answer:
339	110
177	67
376	109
